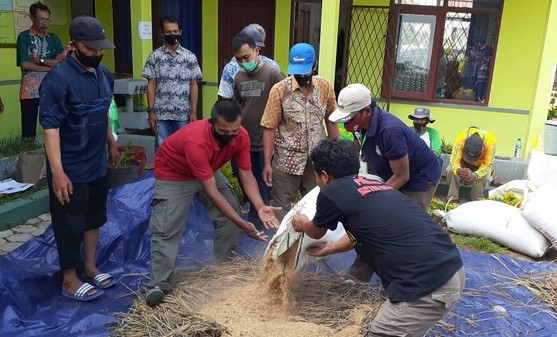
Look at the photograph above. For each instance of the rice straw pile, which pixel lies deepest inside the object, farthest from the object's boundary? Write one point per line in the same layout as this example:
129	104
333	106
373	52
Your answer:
544	286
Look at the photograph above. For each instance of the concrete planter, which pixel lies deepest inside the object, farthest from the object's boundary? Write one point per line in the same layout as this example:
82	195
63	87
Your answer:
8	166
17	211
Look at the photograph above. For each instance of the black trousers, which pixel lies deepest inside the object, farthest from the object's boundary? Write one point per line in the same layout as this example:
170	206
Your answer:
85	211
29	113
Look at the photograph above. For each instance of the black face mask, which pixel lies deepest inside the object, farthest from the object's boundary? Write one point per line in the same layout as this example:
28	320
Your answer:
88	61
171	39
419	127
303	80
223	139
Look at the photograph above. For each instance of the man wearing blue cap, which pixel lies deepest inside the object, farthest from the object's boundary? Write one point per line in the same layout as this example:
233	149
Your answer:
296	111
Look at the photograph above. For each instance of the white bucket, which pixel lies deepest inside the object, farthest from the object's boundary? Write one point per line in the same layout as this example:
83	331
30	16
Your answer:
550	138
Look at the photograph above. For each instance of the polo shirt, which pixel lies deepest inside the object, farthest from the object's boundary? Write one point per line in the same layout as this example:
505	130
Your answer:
396	237
388	138
31	44
76	101
193	153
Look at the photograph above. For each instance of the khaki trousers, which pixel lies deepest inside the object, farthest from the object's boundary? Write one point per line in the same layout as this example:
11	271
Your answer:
286	185
478	187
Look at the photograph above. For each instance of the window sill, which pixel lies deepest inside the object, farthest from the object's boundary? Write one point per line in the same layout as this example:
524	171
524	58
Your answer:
460	106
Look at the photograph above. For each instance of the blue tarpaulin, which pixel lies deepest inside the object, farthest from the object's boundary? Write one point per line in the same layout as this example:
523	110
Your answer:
31	303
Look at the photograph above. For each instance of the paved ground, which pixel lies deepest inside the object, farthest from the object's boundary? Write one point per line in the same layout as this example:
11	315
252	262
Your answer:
14	237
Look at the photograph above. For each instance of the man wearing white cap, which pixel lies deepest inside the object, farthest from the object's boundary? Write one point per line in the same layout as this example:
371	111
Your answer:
293	122
392	150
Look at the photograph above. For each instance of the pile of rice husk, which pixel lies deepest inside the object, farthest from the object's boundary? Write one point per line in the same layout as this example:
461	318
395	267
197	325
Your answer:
543	285
250	298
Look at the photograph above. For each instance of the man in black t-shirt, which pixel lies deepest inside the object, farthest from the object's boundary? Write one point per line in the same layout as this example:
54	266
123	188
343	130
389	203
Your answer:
420	268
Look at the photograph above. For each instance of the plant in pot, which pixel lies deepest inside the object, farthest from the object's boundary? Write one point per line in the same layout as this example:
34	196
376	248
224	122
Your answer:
128	170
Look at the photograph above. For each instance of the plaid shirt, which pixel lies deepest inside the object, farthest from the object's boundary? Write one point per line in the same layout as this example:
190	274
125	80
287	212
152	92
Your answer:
298	119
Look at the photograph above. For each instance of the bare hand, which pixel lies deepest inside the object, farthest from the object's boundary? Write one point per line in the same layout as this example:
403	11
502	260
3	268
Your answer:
153	121
252	232
462	173
62	188
35	60
113	156
298	222
193	116
267	216
268	175
321	250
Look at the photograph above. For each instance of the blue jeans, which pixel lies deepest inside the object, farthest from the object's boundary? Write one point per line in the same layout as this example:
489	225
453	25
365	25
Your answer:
165	128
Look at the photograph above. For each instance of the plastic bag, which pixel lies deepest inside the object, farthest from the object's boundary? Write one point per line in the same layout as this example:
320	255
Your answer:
114	118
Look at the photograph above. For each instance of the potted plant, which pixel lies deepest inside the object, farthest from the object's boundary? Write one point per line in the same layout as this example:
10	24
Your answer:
128	170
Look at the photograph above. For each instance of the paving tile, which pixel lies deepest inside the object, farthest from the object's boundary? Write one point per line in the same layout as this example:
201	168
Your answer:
23	237
38	231
6	233
33	221
45	217
2	242
23	229
43	224
8	247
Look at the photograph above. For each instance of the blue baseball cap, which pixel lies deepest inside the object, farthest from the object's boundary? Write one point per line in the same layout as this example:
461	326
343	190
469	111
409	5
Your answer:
301	59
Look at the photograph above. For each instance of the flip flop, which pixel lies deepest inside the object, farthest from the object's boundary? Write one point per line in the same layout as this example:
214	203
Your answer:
102	277
81	293
154	296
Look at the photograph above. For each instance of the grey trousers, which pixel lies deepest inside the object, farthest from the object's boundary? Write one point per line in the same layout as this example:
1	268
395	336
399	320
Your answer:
415	318
171	204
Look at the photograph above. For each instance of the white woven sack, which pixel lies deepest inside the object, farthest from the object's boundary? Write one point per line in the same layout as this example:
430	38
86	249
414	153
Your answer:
540	212
285	235
499	222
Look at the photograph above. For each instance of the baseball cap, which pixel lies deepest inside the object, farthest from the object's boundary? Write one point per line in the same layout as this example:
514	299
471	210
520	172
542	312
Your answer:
422	113
351	99
301	59
473	148
255	35
91	32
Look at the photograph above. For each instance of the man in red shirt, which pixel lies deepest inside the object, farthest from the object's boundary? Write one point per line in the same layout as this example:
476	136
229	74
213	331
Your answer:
188	163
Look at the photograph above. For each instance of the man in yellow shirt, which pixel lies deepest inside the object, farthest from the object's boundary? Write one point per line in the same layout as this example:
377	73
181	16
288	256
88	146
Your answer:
471	162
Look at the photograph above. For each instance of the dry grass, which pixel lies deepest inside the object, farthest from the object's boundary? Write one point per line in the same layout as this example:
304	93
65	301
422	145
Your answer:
544	286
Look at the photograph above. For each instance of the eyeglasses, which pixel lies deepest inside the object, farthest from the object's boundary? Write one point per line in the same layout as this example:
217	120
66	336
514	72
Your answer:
43	20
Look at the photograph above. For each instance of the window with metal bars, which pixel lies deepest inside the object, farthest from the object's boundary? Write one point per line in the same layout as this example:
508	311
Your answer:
442	49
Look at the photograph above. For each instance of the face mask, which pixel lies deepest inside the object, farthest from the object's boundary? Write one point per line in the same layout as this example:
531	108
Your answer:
223	139
249	66
419	127
88	61
171	39
303	80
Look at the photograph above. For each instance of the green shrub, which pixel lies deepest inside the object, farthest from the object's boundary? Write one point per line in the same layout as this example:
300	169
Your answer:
226	170
446	147
13	145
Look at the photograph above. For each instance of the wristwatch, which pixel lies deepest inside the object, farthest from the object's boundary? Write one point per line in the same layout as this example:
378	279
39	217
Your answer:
42	61
149	110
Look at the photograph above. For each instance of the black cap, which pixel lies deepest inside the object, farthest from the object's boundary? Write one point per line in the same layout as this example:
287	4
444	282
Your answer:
473	148
91	32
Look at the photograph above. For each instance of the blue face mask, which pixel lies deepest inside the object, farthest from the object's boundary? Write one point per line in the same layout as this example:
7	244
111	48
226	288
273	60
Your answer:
249	66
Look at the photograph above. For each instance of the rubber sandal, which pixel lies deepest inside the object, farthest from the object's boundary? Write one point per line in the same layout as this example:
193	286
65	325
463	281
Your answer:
154	296
102	277
81	293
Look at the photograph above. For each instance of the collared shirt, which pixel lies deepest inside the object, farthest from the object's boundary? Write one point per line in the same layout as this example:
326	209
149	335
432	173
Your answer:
298	119
193	153
226	88
388	139
76	101
173	75
484	165
31	44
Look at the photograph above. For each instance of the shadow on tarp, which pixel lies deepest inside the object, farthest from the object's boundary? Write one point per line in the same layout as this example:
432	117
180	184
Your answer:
31	303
